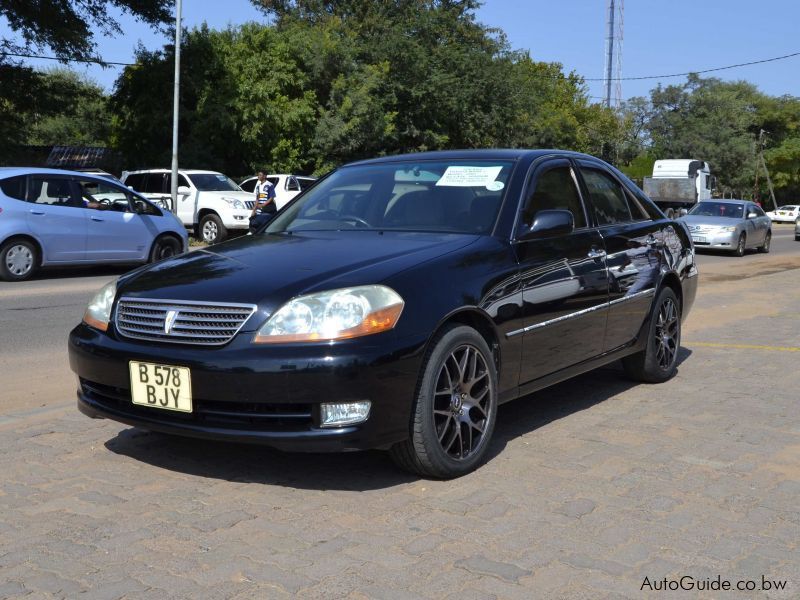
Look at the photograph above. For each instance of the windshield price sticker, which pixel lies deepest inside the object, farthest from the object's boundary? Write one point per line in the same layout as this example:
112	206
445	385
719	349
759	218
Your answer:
469	176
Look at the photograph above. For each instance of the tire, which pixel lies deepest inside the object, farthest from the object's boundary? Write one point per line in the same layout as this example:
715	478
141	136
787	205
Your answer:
211	229
797	238
741	245
764	248
165	246
658	362
19	260
458	363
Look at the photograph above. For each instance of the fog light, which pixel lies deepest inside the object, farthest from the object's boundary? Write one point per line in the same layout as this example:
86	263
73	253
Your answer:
337	415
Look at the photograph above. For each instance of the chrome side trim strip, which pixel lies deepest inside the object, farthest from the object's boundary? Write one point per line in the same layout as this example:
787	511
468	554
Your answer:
580	313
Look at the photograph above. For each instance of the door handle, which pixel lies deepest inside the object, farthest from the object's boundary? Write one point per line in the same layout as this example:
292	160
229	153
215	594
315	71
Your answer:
98	219
595	253
37	212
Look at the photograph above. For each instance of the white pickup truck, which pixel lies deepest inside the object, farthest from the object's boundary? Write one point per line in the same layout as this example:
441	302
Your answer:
286	186
209	203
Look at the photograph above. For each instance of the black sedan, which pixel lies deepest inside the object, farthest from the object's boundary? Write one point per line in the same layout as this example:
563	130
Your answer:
394	305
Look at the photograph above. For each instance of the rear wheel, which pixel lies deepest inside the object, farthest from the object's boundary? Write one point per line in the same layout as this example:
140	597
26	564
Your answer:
212	231
741	245
164	247
764	248
659	360
455	408
19	260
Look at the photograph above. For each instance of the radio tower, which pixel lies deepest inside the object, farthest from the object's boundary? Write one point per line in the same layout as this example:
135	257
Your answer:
613	62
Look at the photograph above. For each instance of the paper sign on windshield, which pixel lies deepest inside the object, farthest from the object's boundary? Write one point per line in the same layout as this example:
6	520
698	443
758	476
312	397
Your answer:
469	176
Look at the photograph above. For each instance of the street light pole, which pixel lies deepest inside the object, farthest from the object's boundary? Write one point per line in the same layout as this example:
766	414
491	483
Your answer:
175	103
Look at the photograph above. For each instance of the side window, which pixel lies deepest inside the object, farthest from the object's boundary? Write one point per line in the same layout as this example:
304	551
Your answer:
102	196
273	181
14	187
182	182
638	209
54	191
607	197
154	184
555	190
135	181
249	186
758	210
143	207
292	185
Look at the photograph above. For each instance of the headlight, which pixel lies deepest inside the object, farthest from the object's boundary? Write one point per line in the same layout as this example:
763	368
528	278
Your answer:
333	315
98	312
234	202
727	229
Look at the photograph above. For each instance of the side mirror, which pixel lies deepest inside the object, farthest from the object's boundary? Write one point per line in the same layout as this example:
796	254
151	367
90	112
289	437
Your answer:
548	223
752	215
184	190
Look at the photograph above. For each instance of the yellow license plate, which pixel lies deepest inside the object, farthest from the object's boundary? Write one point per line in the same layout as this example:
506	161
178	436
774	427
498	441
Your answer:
161	386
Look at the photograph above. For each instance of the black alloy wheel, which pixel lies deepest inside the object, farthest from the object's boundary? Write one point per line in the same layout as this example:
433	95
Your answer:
455	408
165	246
658	362
741	245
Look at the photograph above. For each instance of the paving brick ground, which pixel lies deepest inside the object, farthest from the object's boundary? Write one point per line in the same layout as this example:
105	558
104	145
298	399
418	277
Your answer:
592	486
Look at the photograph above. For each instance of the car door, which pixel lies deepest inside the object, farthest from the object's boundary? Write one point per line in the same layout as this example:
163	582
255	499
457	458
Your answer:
634	244
57	218
563	278
759	225
115	232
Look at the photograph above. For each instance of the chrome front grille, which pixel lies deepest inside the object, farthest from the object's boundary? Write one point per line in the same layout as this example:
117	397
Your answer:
181	322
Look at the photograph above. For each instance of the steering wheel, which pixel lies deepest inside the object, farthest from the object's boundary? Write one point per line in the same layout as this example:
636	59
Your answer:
356	220
105	201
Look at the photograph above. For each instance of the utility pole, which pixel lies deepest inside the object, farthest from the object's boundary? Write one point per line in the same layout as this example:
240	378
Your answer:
763	164
175	104
609	52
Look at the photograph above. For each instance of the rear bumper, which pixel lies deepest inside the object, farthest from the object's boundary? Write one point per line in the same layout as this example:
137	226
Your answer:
264	395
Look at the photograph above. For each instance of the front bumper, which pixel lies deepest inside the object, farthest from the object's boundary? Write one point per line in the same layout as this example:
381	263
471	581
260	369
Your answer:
725	240
236	219
258	394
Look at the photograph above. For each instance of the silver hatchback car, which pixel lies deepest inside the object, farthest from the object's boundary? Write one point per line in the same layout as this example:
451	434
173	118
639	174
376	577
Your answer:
732	225
54	217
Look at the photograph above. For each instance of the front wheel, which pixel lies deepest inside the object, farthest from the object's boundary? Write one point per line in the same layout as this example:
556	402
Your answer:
764	248
659	360
18	260
212	231
164	247
455	408
741	245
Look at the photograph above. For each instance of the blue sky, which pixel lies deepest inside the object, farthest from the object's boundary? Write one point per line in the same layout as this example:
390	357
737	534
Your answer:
659	37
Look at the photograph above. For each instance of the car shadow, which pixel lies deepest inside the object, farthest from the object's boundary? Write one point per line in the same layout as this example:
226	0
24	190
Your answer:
49	273
359	471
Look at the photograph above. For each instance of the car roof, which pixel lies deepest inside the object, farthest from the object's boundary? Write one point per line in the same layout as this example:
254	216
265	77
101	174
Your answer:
184	171
482	154
727	201
13	171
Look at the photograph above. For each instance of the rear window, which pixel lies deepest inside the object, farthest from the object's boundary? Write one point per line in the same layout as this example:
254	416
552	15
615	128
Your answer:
14	187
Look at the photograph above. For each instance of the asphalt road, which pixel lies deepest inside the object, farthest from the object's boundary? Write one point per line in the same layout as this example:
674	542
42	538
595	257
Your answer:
594	488
36	317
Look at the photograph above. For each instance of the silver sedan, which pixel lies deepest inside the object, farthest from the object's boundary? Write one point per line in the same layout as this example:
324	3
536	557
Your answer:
732	225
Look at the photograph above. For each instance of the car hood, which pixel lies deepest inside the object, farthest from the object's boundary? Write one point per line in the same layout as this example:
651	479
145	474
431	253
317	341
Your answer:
268	270
235	195
696	220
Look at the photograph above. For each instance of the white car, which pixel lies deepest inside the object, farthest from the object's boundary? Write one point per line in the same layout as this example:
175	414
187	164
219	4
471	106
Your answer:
785	214
286	186
209	203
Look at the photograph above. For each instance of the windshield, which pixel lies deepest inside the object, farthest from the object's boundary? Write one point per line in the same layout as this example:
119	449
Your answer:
453	196
718	209
213	182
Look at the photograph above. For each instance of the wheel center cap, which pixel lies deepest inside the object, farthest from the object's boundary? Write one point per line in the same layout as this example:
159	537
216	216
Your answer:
457	401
